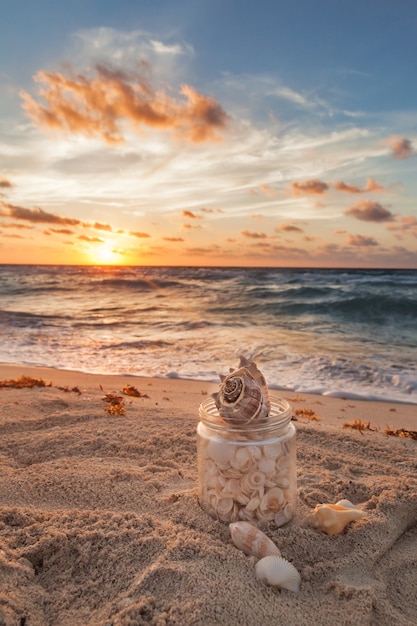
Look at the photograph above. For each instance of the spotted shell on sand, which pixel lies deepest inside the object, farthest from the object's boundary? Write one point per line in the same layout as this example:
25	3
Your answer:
333	518
243	398
252	541
278	572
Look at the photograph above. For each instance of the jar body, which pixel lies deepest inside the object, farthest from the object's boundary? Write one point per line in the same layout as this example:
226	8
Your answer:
248	474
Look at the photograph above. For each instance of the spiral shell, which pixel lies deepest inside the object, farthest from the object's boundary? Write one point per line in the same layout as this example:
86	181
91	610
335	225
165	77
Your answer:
243	395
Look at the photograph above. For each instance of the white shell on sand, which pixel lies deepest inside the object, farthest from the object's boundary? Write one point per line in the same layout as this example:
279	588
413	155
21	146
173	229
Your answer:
252	541
333	518
277	571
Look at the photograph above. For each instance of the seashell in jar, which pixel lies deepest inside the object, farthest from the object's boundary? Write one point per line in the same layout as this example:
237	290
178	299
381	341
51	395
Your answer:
252	481
220	452
271	503
277	571
284	515
243	395
267	466
273	450
242	460
333	518
231	488
246	516
226	509
252	541
253	503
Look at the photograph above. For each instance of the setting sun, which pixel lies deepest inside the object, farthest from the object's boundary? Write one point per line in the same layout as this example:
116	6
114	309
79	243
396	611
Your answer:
105	254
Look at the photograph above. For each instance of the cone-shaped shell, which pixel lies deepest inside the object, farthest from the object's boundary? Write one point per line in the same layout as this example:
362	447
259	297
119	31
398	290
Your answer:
252	541
277	571
333	518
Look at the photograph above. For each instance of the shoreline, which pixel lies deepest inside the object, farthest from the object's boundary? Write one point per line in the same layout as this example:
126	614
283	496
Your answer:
332	410
100	521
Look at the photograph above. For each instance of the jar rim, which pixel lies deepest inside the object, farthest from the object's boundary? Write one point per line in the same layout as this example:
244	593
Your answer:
279	415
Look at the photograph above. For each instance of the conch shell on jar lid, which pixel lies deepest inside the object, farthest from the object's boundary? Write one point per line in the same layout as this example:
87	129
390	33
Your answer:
243	398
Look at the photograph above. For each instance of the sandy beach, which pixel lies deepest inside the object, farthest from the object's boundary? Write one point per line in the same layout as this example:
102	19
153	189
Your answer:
100	522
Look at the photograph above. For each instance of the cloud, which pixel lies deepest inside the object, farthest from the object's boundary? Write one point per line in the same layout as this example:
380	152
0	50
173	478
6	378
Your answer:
293	96
191	215
369	211
288	228
401	147
139	235
267	190
99	106
361	240
18	226
173	239
162	48
405	224
253	235
61	231
371	185
5	184
208	210
409	221
191	227
308	187
90	239
14	236
35	215
105	227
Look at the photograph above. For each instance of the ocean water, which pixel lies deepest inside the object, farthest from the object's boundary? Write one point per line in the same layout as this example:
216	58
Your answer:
338	332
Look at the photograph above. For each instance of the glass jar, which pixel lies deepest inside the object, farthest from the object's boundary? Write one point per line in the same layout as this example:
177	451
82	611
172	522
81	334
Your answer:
247	473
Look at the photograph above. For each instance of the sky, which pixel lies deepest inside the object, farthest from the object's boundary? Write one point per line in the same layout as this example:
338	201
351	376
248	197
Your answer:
209	132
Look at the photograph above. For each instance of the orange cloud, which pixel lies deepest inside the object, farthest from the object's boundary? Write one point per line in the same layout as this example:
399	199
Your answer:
369	211
35	215
408	220
288	228
361	240
18	226
173	239
208	210
253	235
371	185
90	239
14	236
98	107
60	231
308	187
401	147
191	227
105	227
139	234
404	224
5	184
267	190
191	215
